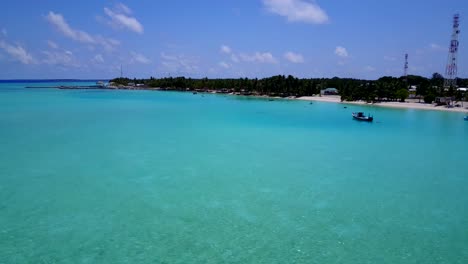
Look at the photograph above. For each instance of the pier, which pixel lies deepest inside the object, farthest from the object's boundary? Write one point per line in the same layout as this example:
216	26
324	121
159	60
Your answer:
91	87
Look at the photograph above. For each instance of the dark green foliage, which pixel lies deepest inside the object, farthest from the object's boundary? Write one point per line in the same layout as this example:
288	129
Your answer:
402	94
384	89
428	99
121	81
277	85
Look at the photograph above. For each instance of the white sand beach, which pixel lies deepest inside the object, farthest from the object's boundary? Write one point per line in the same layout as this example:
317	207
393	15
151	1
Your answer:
409	104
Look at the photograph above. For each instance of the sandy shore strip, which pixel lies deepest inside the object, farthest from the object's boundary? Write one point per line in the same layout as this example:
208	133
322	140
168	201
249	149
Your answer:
410	104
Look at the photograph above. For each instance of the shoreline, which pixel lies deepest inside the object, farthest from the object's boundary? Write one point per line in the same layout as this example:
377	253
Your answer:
409	104
406	105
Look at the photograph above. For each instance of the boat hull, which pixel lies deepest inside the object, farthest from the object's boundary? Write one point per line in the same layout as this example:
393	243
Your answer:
364	119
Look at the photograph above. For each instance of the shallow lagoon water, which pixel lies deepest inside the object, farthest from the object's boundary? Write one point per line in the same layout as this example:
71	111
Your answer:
166	177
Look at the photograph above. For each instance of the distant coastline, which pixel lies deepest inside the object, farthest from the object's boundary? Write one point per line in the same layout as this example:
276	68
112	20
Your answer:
50	80
421	92
408	104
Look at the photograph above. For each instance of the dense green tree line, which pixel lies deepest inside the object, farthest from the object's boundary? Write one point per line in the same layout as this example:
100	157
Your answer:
384	89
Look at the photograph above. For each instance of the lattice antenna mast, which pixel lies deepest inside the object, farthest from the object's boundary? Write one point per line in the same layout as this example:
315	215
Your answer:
451	70
406	68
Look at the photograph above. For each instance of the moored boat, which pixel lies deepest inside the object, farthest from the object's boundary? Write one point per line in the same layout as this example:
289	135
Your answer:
361	117
466	118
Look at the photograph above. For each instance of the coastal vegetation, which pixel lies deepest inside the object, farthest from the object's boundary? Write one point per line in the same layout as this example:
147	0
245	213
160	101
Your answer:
383	89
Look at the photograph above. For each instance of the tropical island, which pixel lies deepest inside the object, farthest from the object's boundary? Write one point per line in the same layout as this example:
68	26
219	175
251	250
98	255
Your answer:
387	91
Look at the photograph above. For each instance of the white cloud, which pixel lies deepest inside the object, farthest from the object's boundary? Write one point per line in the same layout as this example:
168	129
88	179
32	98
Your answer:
120	18
265	57
389	58
60	57
341	52
294	57
123	9
139	58
179	64
59	22
297	10
226	49
436	47
234	58
107	43
17	52
98	59
52	44
258	57
224	65
431	47
369	68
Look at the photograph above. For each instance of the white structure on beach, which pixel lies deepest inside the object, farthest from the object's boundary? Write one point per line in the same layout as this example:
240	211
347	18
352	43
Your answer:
329	91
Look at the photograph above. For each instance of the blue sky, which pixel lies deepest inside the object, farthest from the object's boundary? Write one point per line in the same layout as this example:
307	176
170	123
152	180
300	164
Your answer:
228	38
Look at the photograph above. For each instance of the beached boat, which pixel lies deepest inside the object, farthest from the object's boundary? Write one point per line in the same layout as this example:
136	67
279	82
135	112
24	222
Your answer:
100	84
361	117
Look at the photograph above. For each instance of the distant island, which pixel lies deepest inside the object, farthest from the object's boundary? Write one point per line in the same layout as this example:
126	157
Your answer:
384	89
48	80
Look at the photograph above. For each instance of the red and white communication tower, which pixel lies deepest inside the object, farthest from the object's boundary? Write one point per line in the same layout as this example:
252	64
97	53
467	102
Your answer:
451	70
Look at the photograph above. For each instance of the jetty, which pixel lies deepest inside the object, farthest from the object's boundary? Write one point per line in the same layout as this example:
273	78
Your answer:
68	87
92	87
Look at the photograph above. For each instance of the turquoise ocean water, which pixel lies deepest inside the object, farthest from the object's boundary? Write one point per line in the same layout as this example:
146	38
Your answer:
166	177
